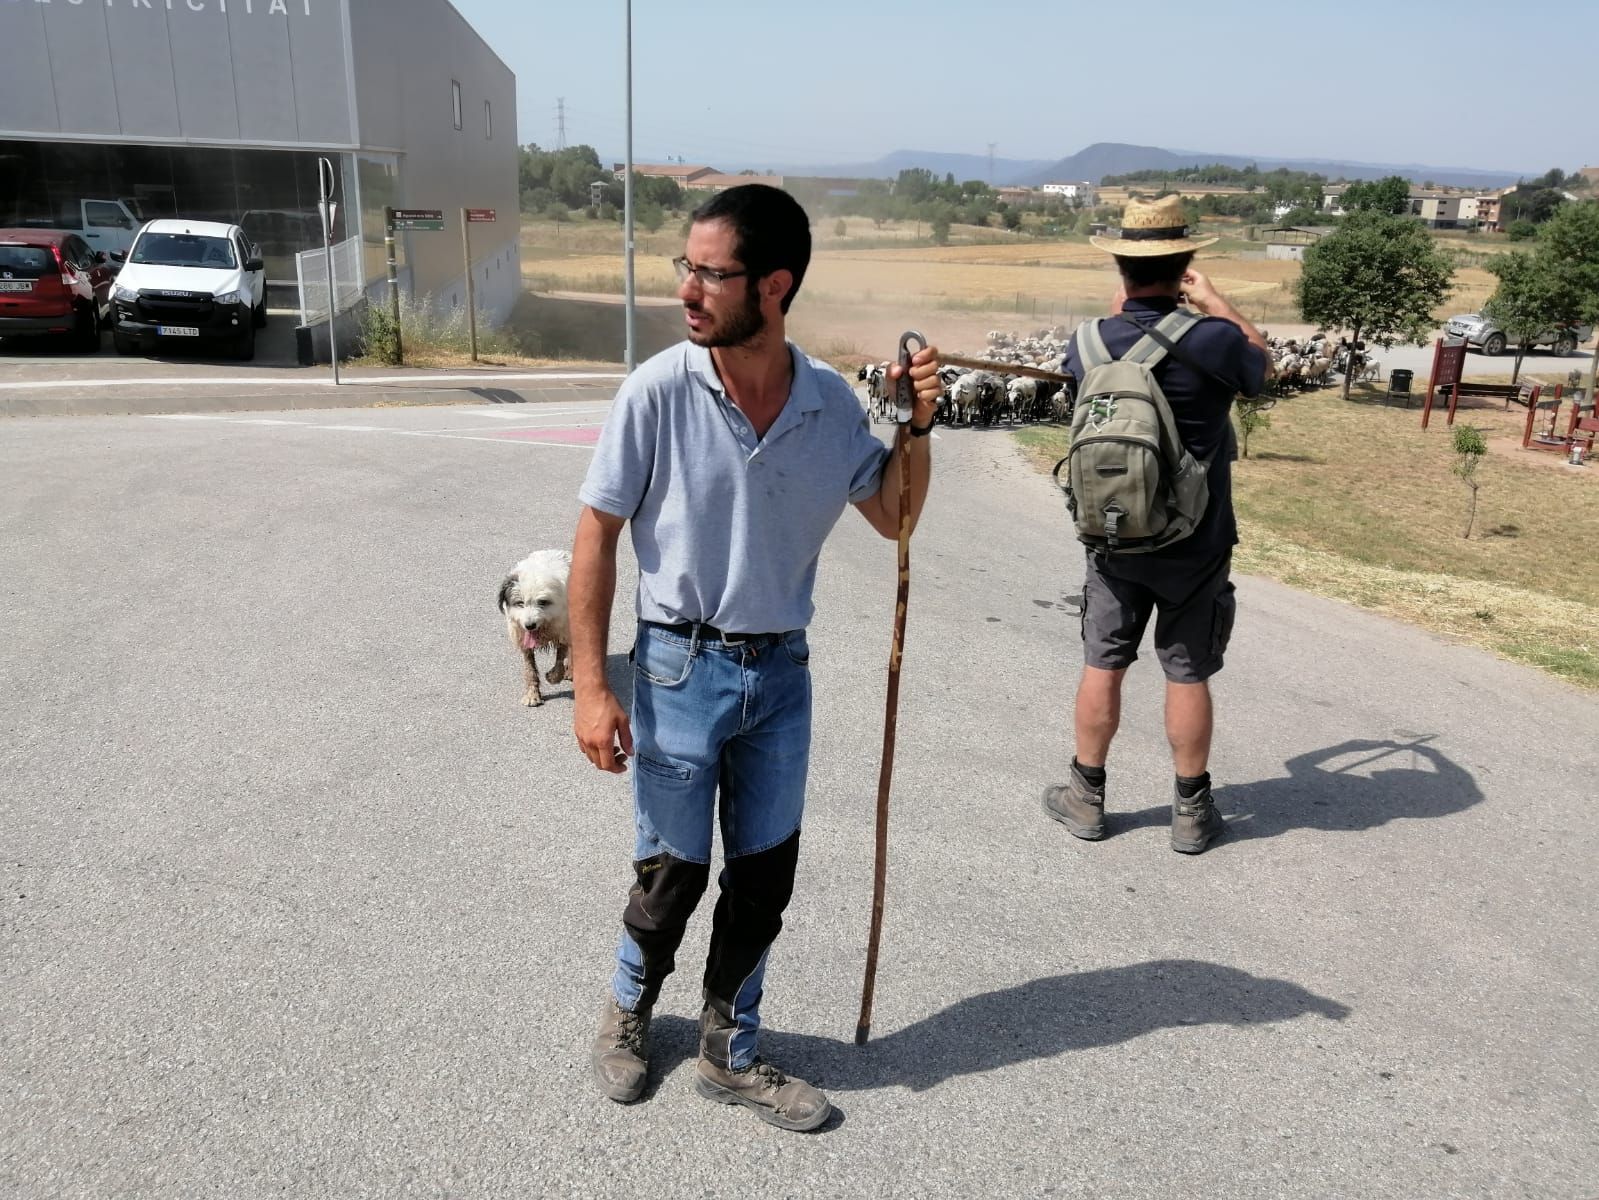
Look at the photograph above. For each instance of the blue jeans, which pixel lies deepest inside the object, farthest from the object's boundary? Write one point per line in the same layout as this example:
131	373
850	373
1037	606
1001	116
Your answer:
721	729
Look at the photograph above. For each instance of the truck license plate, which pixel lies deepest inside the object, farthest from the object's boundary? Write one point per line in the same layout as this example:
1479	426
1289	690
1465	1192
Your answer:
13	285
177	330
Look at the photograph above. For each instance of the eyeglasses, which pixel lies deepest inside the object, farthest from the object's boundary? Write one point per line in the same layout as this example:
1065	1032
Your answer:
709	278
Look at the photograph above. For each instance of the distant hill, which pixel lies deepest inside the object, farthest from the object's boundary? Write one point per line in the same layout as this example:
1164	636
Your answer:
1116	158
962	166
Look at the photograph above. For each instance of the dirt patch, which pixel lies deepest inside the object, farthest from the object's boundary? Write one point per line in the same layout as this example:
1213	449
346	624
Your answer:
565	328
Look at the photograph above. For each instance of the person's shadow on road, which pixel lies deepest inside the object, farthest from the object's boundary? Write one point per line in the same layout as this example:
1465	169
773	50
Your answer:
1042	1019
1359	784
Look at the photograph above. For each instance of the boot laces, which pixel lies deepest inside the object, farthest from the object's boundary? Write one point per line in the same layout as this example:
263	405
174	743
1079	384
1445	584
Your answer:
761	1069
630	1032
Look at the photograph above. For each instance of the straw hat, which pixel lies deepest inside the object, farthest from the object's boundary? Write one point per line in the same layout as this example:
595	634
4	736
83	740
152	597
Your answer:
1152	227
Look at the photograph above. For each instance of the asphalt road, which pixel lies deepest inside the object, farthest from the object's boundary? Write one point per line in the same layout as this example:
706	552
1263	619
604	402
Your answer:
299	901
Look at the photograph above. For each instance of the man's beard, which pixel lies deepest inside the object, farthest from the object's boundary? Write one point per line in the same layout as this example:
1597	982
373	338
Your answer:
741	326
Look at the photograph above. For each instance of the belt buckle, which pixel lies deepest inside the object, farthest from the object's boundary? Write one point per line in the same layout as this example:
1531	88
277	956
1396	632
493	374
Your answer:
736	639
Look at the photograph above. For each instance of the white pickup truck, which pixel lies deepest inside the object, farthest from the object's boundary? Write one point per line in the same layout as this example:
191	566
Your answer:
1481	333
107	225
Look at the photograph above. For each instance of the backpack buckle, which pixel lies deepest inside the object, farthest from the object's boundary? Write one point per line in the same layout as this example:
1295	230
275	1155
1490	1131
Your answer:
1114	513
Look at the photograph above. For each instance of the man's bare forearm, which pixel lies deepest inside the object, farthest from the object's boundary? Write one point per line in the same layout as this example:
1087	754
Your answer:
590	591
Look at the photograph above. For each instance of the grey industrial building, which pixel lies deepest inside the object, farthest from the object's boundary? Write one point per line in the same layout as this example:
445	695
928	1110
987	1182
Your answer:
220	109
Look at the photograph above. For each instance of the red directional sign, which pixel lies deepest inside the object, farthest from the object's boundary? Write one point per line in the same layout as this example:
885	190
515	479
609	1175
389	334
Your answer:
476	215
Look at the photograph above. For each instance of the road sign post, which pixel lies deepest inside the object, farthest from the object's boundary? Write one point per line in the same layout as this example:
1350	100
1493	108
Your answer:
394	285
470	217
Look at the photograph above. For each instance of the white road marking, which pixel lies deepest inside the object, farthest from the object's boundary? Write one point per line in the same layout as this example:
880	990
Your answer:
186	381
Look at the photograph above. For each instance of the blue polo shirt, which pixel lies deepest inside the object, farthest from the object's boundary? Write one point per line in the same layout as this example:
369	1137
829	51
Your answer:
727	527
1201	403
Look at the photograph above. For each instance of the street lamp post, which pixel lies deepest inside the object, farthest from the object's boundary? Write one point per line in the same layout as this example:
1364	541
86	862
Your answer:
627	201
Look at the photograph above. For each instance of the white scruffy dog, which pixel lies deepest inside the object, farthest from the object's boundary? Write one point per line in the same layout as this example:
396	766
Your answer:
533	599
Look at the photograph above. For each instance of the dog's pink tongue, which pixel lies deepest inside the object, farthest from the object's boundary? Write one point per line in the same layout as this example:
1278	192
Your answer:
530	640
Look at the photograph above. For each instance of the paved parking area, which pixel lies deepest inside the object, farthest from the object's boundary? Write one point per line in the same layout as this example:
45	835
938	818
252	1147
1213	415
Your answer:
296	899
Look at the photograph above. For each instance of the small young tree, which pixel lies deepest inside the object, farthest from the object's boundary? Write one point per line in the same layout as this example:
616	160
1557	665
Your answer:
1251	418
840	229
1378	276
1469	449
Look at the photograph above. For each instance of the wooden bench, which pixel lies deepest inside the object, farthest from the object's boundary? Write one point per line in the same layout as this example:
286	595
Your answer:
1510	393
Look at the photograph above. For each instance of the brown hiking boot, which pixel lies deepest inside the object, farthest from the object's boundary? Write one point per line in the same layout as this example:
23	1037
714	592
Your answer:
1078	806
773	1096
621	1052
1195	823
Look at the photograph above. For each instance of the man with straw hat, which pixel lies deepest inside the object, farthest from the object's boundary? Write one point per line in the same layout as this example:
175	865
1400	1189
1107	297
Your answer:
1185	584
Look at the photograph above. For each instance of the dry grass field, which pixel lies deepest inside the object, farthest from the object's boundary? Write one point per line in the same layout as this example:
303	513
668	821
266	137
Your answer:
872	279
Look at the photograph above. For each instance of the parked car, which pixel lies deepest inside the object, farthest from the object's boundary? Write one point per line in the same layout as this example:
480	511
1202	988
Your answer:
51	282
106	225
1481	333
282	233
188	280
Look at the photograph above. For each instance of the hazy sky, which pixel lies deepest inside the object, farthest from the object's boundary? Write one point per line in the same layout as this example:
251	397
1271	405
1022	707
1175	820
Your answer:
756	83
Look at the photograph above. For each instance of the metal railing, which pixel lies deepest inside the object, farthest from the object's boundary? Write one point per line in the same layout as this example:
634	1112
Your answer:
311	276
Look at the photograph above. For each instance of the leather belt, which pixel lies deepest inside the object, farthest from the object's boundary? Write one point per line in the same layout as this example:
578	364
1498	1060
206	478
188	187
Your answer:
699	631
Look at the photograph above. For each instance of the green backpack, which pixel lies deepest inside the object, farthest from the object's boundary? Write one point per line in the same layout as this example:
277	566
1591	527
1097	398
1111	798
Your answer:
1130	485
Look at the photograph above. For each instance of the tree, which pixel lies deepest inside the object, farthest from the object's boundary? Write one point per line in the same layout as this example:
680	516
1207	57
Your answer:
1378	276
942	216
1526	302
1390	195
1469	449
1571	243
840	229
1252	418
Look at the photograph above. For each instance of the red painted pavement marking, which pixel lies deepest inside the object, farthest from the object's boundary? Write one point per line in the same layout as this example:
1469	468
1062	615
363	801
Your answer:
583	437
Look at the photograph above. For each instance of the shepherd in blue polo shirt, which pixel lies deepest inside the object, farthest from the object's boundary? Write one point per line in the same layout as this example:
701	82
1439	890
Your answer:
731	456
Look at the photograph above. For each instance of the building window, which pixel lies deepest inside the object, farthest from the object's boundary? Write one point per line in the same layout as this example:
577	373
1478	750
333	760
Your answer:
455	101
488	121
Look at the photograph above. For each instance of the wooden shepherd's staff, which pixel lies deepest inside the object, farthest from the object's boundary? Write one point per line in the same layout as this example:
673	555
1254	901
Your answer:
905	398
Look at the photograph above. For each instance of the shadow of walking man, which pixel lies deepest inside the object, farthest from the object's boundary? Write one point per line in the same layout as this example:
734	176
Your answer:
1037	1020
1358	784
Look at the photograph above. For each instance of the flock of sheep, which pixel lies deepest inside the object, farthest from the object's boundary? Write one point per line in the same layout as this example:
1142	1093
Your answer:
984	398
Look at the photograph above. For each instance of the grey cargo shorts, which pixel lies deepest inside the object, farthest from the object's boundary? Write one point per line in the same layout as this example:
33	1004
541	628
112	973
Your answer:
1192	601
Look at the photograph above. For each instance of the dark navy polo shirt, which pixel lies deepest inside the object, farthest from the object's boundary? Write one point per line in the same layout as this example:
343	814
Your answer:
1200	402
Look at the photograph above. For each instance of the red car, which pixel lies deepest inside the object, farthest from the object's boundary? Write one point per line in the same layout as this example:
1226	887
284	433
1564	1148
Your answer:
51	282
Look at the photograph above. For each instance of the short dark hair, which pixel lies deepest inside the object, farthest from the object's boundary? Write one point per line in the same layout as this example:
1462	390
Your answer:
770	230
1156	269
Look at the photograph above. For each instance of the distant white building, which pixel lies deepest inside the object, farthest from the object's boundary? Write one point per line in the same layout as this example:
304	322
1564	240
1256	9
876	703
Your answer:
1070	191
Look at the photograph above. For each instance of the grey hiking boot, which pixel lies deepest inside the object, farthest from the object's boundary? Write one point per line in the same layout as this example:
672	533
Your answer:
1078	806
621	1052
1195	823
773	1096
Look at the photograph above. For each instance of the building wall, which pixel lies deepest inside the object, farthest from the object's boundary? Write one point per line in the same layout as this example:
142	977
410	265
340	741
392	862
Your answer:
257	72
407	54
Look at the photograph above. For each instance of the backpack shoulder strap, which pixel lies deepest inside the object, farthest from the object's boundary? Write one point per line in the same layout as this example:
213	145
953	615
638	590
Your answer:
1165	334
1091	346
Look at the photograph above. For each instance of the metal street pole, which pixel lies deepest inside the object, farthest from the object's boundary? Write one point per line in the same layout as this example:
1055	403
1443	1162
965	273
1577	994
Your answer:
630	359
329	211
